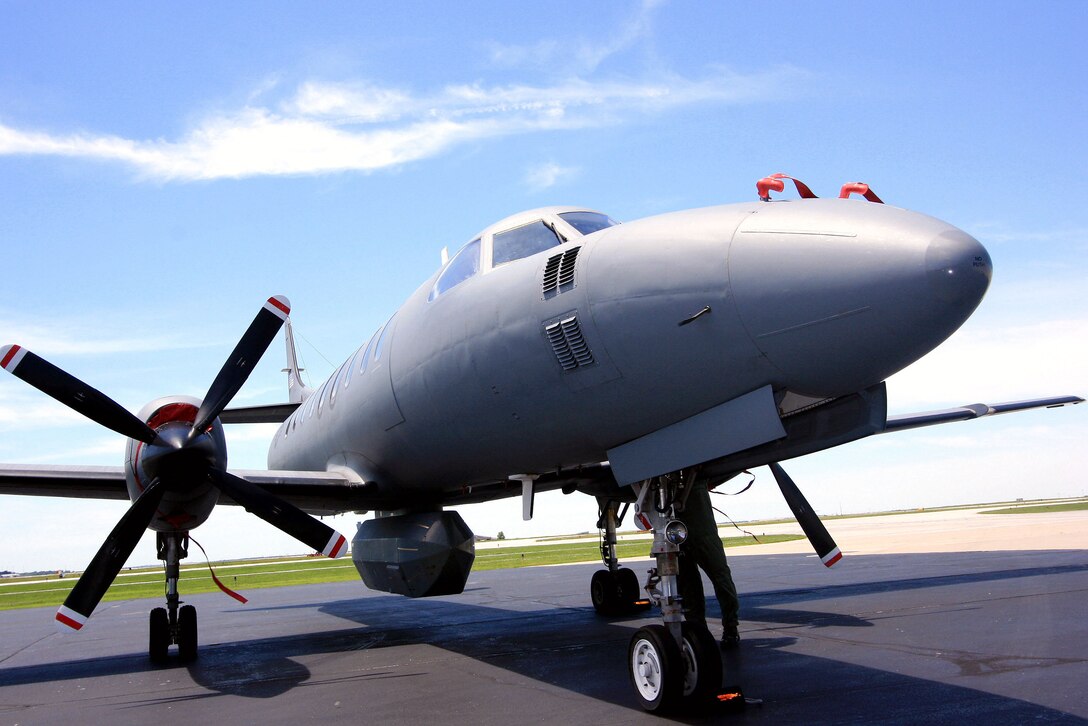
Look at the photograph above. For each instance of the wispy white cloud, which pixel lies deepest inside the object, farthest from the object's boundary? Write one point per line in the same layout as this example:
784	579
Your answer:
33	411
545	176
334	127
59	336
579	54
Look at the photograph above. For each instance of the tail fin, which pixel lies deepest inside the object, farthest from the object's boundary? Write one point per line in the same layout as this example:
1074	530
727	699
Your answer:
297	391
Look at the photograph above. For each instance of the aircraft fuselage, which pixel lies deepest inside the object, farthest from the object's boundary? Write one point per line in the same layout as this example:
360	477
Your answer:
552	360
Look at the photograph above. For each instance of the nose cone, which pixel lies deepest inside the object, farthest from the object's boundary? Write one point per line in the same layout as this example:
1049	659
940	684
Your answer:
839	294
959	270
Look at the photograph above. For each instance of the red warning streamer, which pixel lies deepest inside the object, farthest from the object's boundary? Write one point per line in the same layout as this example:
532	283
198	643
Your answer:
220	585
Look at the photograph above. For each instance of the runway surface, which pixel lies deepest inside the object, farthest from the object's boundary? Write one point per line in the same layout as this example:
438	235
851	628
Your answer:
995	636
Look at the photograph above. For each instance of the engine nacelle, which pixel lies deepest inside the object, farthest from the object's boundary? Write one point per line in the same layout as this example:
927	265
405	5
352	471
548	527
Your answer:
418	555
189	497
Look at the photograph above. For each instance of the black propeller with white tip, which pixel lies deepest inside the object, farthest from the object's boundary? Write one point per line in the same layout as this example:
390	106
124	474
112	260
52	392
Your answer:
175	463
73	393
109	560
813	528
239	365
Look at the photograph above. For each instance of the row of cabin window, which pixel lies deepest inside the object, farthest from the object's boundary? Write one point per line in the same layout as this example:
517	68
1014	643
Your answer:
344	373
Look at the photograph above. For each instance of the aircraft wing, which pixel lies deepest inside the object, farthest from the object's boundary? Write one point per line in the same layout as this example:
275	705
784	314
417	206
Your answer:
903	422
80	482
317	492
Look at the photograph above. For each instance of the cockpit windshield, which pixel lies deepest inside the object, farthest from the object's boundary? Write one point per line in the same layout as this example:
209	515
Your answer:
523	241
518	237
463	266
588	222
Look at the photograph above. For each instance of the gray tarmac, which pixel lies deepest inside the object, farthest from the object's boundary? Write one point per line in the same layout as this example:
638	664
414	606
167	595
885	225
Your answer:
993	637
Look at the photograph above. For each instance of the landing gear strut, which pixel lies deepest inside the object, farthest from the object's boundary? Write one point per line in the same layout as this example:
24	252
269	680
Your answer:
614	591
172	625
675	663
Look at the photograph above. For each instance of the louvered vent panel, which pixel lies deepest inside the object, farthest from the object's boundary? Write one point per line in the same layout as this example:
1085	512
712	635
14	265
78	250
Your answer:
559	272
578	347
562	349
568	344
566	267
551	273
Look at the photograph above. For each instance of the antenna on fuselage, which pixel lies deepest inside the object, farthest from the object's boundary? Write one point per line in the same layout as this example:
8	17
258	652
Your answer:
297	391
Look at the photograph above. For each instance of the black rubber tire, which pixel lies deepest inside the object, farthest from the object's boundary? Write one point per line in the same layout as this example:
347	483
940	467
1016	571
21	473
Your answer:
630	589
656	669
187	634
158	641
604	591
702	664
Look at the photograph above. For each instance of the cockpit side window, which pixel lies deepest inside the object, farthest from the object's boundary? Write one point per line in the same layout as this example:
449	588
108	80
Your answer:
462	267
588	222
523	241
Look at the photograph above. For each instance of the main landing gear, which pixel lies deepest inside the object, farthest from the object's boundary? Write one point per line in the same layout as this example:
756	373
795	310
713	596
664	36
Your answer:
614	591
172	625
675	664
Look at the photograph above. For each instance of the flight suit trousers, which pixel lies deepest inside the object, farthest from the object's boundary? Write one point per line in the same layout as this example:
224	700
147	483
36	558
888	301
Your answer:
704	549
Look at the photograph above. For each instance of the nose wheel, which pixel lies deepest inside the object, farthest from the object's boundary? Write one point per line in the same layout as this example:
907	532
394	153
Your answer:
656	670
668	677
676	664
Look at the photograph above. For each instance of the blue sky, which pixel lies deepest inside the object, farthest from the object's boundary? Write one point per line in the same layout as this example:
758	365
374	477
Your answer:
164	170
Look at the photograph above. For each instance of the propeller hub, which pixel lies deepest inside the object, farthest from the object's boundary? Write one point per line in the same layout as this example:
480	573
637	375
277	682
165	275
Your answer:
181	462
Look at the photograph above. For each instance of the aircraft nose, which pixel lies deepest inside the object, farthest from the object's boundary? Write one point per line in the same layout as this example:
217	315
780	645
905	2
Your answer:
840	295
958	268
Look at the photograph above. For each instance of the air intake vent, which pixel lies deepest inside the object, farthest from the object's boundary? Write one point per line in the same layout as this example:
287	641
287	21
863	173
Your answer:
559	272
568	343
566	267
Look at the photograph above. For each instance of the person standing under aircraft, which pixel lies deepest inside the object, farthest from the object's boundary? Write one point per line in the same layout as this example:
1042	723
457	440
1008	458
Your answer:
704	549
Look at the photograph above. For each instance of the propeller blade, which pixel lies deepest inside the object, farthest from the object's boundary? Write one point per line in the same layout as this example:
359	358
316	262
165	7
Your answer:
814	529
282	515
241	361
73	393
111	557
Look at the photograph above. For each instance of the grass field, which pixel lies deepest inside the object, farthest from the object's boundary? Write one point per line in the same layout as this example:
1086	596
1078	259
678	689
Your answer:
27	592
1040	508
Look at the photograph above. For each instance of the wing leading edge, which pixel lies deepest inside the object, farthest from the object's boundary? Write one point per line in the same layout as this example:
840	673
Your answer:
323	492
317	492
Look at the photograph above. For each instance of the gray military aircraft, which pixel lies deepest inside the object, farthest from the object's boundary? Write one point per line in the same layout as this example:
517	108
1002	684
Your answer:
557	349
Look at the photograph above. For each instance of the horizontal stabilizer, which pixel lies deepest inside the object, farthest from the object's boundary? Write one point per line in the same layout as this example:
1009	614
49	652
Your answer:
272	413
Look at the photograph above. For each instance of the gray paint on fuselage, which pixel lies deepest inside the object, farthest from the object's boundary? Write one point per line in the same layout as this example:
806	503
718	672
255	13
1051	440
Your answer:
821	297
839	302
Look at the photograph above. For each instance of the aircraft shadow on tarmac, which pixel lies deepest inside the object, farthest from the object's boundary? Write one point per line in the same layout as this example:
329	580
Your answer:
574	649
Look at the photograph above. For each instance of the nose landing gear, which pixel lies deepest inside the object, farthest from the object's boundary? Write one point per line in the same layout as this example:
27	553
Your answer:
674	664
